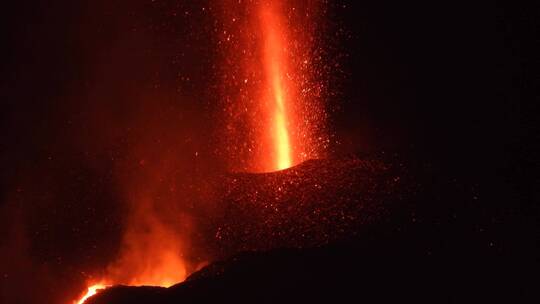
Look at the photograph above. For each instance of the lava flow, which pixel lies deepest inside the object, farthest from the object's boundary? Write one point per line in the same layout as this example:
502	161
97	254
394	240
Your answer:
151	251
92	290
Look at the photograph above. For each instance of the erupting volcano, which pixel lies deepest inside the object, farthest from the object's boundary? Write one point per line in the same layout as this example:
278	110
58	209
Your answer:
272	92
275	151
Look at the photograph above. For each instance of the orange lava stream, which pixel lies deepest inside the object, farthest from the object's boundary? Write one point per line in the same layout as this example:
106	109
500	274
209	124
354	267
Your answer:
150	256
275	65
92	290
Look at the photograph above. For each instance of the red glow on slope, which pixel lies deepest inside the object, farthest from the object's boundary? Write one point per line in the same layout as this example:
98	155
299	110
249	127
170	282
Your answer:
92	290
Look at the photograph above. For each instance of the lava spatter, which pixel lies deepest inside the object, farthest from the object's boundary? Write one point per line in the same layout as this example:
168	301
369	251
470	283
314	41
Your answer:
271	84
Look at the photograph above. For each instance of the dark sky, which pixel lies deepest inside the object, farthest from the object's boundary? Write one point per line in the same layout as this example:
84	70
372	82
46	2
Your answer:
84	84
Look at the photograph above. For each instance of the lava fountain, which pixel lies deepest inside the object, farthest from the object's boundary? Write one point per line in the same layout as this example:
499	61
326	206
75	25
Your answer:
272	84
274	66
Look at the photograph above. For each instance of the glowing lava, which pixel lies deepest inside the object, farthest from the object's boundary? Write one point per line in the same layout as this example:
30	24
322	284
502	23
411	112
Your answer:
153	243
92	290
274	65
273	84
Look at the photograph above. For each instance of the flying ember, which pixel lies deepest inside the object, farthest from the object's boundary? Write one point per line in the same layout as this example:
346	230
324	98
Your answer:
272	84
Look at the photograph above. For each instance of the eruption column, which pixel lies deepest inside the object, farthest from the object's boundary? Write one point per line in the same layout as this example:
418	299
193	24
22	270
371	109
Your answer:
273	83
274	65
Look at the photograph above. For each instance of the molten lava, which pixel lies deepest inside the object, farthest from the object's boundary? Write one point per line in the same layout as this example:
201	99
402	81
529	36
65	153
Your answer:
273	84
153	242
151	252
275	63
92	290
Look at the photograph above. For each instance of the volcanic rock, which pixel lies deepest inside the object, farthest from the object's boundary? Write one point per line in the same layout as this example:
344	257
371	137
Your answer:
377	230
312	204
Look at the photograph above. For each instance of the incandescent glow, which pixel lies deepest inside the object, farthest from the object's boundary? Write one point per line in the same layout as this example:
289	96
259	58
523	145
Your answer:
273	83
92	290
274	65
151	250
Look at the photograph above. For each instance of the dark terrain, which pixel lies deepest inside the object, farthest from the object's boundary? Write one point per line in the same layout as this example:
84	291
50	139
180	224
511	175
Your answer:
376	229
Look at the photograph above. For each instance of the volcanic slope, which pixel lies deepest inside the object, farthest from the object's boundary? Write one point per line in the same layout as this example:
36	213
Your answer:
367	229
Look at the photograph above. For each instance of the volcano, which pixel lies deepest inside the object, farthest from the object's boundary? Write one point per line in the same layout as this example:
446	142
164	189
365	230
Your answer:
377	228
314	203
267	151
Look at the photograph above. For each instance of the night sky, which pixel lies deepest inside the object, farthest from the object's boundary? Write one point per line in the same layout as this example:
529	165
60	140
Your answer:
93	92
